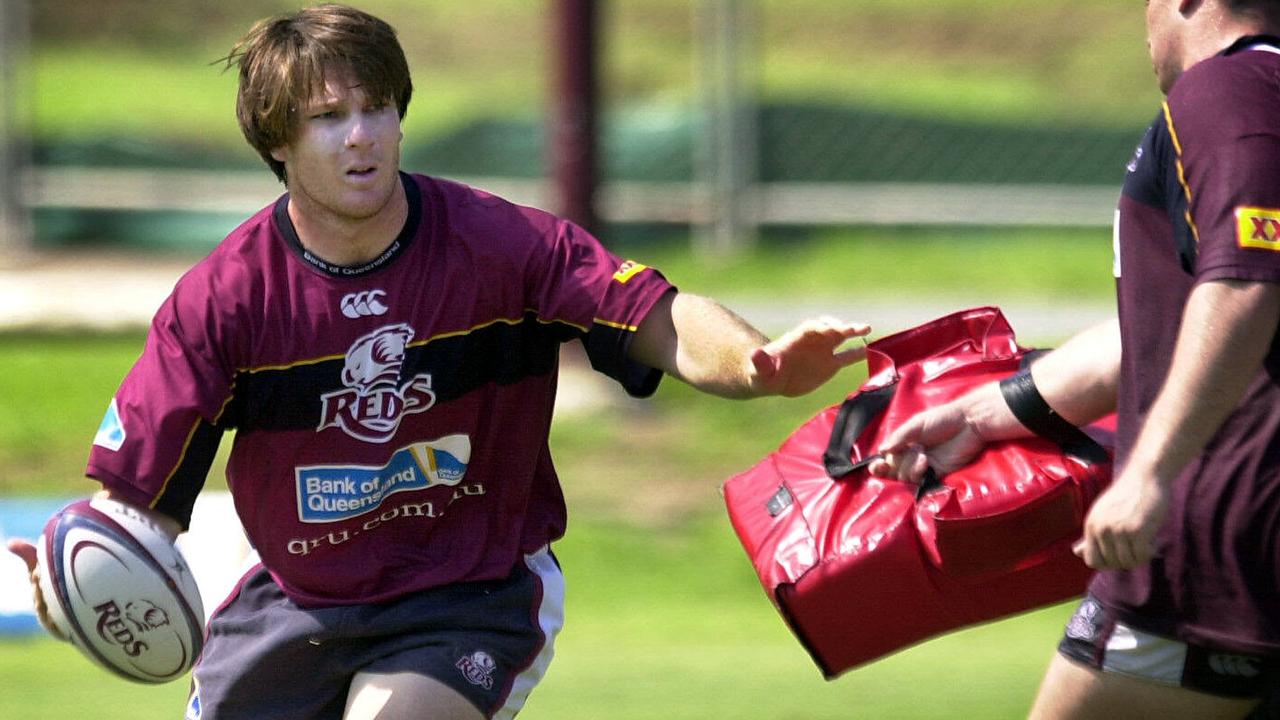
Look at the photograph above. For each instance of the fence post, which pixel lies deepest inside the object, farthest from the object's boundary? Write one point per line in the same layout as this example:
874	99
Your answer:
15	126
573	153
728	152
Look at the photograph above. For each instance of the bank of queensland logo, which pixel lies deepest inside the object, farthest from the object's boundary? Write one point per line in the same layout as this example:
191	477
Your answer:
376	397
331	493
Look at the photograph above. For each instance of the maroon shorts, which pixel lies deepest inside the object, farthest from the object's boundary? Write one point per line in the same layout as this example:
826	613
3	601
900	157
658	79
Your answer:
267	658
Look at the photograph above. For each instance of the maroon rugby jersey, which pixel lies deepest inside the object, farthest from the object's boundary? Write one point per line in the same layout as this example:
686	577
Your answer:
391	420
1217	142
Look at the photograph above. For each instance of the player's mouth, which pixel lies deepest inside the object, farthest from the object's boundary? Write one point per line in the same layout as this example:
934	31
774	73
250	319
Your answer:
362	172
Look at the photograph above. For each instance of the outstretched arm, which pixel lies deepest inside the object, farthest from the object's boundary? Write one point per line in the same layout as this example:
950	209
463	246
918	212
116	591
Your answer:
706	345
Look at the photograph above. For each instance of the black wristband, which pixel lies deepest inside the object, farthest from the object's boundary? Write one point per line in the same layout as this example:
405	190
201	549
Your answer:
1030	408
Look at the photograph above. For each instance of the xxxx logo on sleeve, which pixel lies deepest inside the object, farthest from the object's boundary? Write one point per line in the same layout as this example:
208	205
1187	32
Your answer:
628	270
376	396
1258	228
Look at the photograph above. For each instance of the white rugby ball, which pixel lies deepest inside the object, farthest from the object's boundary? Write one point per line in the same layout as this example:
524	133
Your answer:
116	586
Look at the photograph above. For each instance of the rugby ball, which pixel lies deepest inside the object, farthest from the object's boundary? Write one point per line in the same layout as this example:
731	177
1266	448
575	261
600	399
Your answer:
116	586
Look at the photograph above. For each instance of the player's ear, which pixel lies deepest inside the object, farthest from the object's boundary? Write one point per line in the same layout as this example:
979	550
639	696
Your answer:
280	154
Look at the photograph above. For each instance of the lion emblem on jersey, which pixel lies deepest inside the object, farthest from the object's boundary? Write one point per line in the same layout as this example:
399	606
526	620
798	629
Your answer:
375	395
375	360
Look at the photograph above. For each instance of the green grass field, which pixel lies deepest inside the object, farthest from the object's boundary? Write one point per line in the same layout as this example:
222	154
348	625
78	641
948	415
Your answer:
665	617
665	624
660	623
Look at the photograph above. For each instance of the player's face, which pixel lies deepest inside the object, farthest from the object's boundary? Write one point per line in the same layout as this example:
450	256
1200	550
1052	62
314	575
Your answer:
1164	25
345	159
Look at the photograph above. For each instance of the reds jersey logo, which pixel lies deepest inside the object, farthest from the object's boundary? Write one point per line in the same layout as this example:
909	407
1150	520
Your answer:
376	398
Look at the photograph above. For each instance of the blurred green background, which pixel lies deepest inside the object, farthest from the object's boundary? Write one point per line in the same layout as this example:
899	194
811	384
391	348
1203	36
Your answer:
915	91
665	615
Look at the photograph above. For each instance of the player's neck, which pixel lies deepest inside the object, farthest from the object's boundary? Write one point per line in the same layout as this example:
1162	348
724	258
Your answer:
1218	31
345	241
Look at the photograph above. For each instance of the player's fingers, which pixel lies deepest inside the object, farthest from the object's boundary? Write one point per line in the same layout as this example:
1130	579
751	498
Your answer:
851	355
764	362
1120	554
1078	548
27	552
832	329
907	465
916	470
24	550
850	329
1145	549
1133	550
1087	550
880	467
1110	550
906	434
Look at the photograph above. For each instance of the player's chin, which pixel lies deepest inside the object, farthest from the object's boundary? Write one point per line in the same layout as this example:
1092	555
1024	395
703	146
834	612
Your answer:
363	204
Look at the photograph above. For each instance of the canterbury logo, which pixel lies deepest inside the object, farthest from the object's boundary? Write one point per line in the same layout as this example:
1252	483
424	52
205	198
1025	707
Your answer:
364	304
1235	665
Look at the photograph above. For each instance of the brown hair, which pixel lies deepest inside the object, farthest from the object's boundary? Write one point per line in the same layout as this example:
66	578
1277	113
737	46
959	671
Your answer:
282	62
1267	10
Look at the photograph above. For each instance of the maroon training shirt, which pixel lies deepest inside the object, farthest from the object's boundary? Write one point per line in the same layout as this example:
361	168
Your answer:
1202	202
391	420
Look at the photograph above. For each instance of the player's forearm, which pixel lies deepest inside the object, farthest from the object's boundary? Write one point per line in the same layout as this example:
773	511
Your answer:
1227	329
700	342
1079	379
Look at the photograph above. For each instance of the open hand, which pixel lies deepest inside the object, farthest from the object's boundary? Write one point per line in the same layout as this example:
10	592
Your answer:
806	357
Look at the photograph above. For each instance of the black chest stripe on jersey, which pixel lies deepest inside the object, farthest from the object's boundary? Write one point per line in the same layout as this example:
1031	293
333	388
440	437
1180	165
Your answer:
503	352
177	496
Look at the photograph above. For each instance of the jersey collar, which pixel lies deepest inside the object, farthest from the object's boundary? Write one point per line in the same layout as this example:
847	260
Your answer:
1249	41
284	224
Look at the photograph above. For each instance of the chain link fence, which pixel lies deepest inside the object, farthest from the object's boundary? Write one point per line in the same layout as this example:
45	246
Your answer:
839	122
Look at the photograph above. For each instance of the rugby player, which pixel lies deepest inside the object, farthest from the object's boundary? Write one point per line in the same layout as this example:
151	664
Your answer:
1182	619
385	346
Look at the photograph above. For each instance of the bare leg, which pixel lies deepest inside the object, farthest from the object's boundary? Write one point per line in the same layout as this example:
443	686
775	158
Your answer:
405	696
1071	690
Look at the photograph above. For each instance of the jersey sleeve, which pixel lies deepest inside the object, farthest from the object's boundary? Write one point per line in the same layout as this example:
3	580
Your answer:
163	427
580	282
1221	115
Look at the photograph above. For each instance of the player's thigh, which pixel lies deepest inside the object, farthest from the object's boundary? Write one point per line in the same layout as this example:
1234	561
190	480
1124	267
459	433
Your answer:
405	696
1072	691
